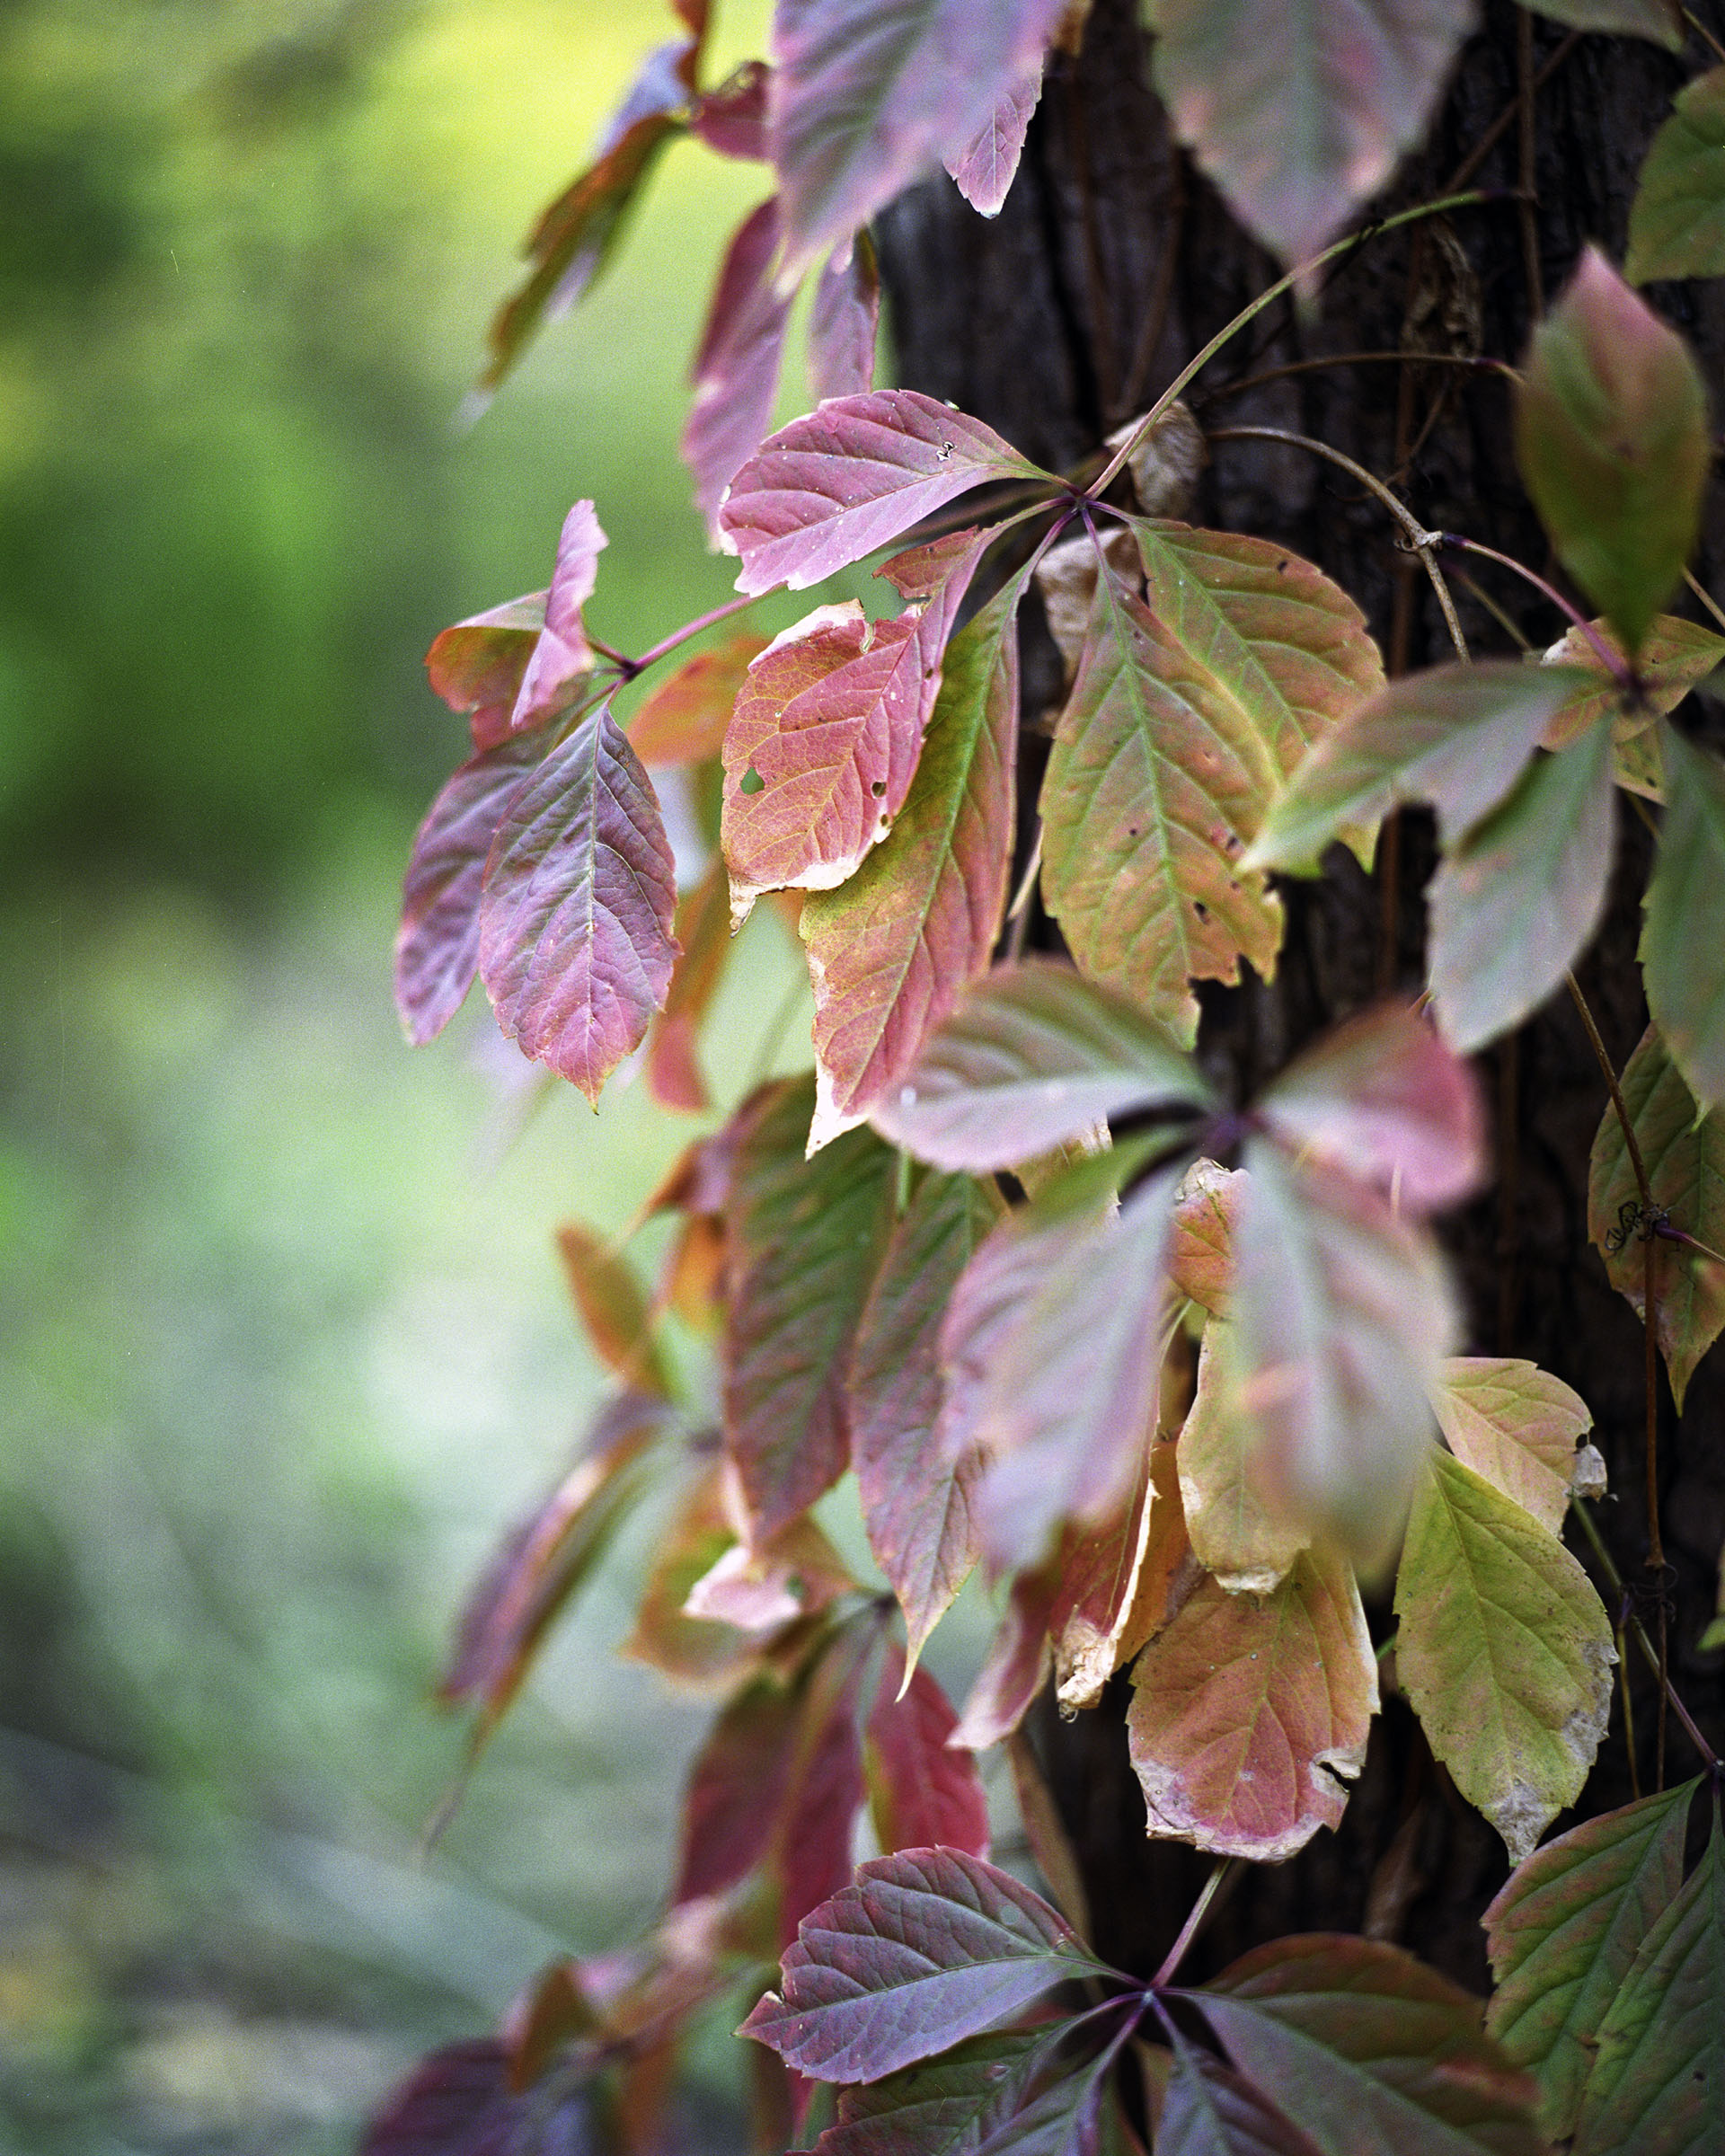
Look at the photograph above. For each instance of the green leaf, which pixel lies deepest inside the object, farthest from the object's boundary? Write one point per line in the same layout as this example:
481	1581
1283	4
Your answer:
1657	2085
1517	1426
1513	904
1684	1153
1505	1650
1683	963
1562	1934
1677	222
1456	737
1247	1544
1652	19
1675	657
1369	2053
1612	438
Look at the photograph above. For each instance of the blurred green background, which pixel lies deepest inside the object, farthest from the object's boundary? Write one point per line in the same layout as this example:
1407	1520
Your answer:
283	1343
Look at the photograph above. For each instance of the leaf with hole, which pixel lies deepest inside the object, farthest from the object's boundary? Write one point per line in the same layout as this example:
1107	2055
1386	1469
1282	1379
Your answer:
1681	966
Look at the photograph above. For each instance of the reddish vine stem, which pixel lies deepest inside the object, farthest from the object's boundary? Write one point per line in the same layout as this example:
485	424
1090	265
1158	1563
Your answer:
1613	662
1195	1921
675	641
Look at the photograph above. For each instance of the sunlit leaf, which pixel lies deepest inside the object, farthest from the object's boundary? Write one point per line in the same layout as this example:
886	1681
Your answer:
927	1947
1383	1099
804	1239
613	1308
916	1496
702	928
1456	737
1210	2111
736	370
1247	1544
1298	113
476	666
1628	18
922	1793
561	659
1033	1056
1677	221
1517	1426
436	947
1369	2053
843	320
984	170
1505	1650
890	951
1657	2085
1249	1714
1612	438
870	94
1562	1935
851	477
683	720
1682	970
1519	897
1684	1153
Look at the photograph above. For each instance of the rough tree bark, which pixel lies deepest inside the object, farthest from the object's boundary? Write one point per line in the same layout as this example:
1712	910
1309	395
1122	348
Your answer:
1109	264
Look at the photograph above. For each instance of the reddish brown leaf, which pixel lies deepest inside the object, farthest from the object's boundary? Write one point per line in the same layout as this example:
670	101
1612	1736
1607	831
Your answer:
476	666
554	2011
455	2102
737	367
849	478
922	1793
811	1854
984	169
683	720
1248	1716
436	947
843	320
1200	1254
1098	1620
804	1240
735	1788
732	118
612	1307
694	1650
1015	1667
703	930
575	944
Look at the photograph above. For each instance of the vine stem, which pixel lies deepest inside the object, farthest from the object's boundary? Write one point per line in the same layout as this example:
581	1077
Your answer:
1615	1581
1613	662
1420	542
1705	596
1471	362
1200	360
1703	32
1194	1923
679	637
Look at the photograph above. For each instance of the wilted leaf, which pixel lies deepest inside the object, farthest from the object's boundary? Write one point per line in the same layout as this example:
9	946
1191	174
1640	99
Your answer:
1612	438
1342	1314
683	720
922	1793
1513	904
1163	461
927	1947
804	1240
842	322
436	947
1455	736
1505	1650
1369	2053
1299	113
1682	970
613	1308
867	98
1034	1055
1200	1253
983	170
1677	222
1066	580
1563	1932
1517	1427
1105	1607
1684	1153
575	942
851	477
890	951
562	659
1657	2085
1383	1101
736	371
916	1495
1629	18
1247	1544
1248	1715
702	925
1209	2111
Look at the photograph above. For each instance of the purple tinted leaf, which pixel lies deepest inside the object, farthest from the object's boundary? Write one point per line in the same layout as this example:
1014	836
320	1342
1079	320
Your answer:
984	169
575	948
842	322
870	94
1209	2111
450	2105
1014	1669
437	948
735	1788
928	1947
924	1792
812	1848
732	118
833	486
737	368
476	666
562	659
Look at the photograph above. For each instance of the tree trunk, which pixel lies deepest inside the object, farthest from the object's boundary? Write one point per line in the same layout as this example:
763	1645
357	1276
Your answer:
1111	261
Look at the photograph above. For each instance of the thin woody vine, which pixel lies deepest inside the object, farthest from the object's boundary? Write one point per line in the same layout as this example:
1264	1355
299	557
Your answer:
1182	1375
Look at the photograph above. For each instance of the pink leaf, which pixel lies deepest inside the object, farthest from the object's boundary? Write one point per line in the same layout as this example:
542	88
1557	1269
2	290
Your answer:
737	368
476	666
870	94
732	118
576	946
1384	1099
562	657
984	170
437	950
833	486
843	324
924	1793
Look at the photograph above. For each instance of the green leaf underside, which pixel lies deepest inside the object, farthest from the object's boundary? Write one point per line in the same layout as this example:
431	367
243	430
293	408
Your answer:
1677	222
1562	1935
891	950
1517	1426
1684	1155
1245	1711
1249	1545
1517	900
1683	971
1505	1650
1658	2084
803	1240
927	1948
1369	2053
